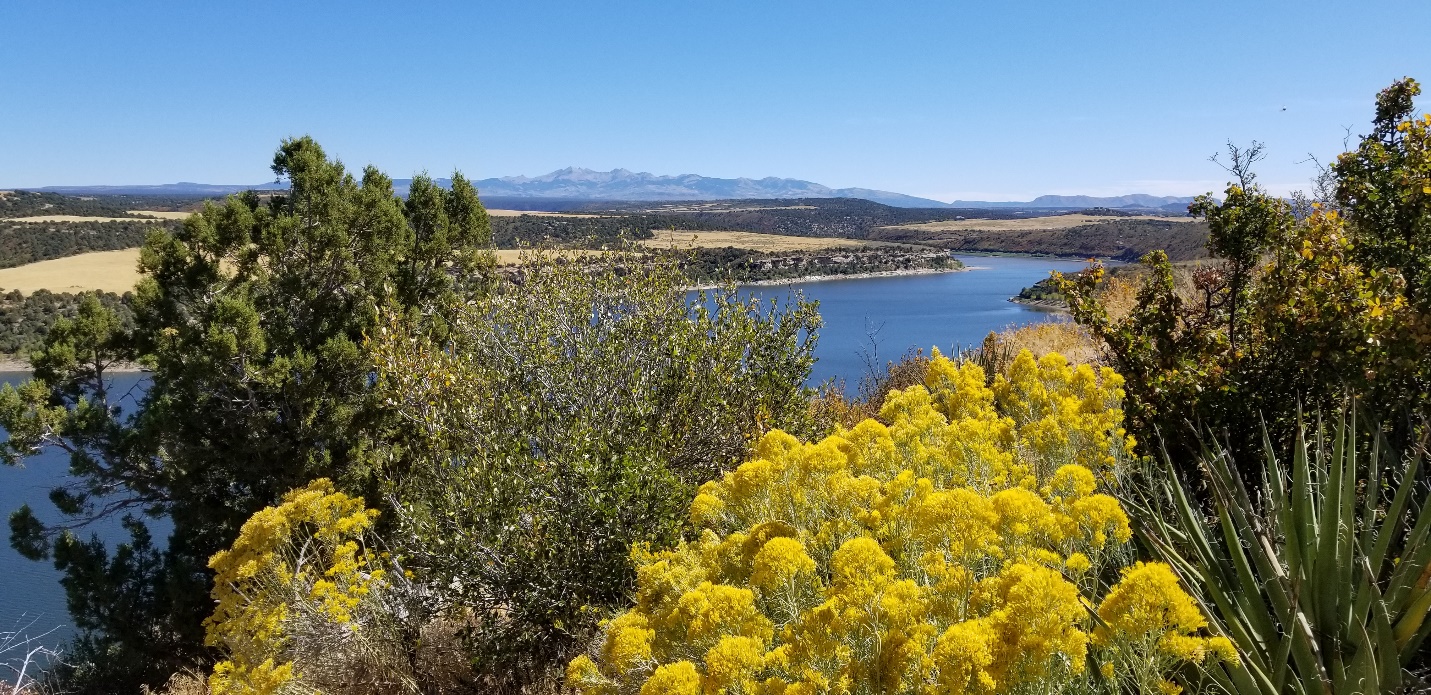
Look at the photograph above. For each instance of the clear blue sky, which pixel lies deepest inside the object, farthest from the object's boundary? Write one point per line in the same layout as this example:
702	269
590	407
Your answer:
994	100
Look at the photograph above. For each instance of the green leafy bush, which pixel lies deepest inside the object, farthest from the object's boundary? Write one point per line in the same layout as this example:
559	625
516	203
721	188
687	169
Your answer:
565	417
1304	302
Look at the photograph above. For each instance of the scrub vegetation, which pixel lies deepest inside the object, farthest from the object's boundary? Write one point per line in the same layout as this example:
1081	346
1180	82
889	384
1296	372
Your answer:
393	467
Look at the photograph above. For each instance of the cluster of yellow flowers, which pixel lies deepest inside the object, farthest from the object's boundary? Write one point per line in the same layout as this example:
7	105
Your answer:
955	549
307	549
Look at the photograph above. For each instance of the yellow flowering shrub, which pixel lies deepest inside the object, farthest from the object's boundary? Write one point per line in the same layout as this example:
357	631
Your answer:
1149	625
304	555
956	549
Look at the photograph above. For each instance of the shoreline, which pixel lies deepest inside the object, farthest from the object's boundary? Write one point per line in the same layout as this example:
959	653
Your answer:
827	278
12	364
1048	305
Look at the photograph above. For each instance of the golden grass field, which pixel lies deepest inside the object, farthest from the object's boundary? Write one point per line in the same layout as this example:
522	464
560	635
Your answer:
161	214
1028	224
750	240
111	271
80	218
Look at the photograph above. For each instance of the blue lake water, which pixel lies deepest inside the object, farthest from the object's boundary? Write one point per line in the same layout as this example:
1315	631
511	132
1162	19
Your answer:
883	317
30	594
943	310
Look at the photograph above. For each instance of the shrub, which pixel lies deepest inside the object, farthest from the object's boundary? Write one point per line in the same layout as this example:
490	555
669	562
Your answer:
565	417
297	600
1301	303
957	549
251	315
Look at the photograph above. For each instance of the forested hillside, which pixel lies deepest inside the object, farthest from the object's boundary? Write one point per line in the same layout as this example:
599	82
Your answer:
584	231
1120	235
708	265
833	217
26	320
1119	239
28	242
31	203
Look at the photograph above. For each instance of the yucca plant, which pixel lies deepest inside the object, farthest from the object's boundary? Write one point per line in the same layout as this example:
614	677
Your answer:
1321	579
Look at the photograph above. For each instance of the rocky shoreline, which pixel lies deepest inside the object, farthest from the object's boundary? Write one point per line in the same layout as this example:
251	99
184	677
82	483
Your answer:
1050	305
10	364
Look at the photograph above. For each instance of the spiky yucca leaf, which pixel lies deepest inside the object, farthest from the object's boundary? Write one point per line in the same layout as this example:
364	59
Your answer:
1323	580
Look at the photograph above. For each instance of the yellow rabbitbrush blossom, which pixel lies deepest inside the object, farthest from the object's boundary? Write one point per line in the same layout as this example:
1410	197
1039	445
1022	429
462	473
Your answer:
954	546
1150	626
306	549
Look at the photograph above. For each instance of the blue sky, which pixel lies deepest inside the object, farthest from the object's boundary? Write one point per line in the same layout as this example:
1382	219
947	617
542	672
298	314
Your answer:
972	100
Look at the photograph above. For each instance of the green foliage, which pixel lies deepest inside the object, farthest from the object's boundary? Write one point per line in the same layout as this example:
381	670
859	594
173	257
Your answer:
25	320
851	218
588	232
1042	291
252	317
1298	308
1322	581
1240	229
1120	239
713	265
28	242
34	203
121	603
564	418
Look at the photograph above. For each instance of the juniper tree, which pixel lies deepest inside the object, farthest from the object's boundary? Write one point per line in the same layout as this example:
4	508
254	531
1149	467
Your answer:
252	317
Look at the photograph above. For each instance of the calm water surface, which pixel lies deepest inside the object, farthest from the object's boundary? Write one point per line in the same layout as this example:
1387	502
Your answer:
887	316
879	316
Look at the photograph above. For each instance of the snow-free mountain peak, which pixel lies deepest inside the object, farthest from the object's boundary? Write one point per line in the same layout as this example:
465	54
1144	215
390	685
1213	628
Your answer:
578	183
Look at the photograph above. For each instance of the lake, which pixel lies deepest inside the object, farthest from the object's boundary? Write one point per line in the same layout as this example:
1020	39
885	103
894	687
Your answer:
884	316
30	593
943	310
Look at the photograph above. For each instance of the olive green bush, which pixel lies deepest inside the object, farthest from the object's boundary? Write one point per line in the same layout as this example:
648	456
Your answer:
1302	302
565	417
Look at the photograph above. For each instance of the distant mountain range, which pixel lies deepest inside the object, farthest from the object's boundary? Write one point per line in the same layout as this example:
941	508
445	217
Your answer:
573	183
621	184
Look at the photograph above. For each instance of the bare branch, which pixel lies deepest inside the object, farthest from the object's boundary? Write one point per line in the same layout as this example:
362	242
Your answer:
1242	160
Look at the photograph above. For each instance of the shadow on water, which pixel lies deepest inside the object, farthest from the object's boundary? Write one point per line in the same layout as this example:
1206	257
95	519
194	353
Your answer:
31	598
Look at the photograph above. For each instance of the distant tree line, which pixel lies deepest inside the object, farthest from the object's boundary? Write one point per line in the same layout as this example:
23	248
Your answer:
28	242
707	266
1119	239
540	230
26	320
851	218
31	203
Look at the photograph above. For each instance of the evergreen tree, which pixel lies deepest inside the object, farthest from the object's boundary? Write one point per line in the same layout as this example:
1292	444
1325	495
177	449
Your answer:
252	317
